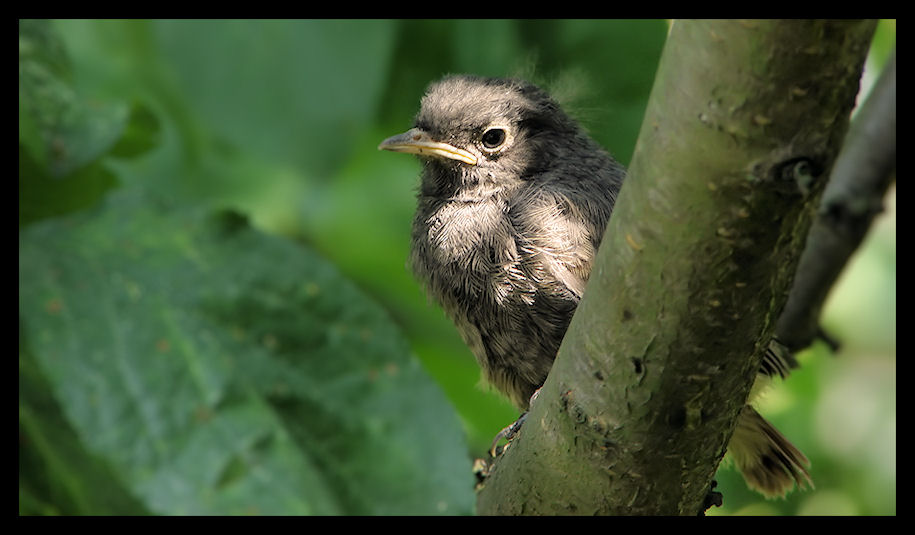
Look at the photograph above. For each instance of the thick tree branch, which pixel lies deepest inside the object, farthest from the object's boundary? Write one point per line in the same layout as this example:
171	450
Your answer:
743	123
860	178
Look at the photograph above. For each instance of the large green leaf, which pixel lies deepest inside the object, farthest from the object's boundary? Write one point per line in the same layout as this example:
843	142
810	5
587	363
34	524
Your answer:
219	370
56	473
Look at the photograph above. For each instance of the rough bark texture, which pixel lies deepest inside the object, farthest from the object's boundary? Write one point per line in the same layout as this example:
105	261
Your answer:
743	124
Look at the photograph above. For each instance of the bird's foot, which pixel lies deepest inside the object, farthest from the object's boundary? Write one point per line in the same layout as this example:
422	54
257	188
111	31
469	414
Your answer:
508	433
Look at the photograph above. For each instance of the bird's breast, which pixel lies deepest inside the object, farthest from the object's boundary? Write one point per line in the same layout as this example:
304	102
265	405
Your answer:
466	251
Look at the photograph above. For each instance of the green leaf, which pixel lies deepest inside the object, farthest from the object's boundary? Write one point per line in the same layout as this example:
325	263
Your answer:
73	131
63	137
57	476
219	370
41	195
141	133
29	133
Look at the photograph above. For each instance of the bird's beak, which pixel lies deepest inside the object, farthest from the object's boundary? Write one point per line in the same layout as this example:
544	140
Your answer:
418	141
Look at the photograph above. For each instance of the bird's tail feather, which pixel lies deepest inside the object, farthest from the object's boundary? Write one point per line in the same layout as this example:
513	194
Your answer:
769	463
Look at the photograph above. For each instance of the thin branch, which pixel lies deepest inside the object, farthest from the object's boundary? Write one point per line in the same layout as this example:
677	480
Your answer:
864	170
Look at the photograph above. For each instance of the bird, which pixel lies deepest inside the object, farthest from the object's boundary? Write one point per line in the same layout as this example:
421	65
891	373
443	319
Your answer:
513	200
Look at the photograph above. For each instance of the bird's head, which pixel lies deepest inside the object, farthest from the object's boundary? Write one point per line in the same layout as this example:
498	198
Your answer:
483	134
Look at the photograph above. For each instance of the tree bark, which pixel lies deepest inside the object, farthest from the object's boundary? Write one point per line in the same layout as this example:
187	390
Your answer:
742	128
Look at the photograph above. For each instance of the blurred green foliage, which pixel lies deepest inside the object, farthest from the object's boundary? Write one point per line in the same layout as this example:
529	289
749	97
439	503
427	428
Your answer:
206	227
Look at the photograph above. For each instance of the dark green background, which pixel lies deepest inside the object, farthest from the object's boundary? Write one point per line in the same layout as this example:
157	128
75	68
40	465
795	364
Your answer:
215	314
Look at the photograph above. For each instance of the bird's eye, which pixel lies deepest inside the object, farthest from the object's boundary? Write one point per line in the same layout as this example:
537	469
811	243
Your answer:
493	138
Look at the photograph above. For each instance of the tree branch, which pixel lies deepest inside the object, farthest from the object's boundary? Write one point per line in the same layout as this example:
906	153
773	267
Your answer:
862	174
743	122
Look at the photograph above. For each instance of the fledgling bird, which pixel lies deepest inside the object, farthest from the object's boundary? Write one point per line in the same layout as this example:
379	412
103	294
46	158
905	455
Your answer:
513	201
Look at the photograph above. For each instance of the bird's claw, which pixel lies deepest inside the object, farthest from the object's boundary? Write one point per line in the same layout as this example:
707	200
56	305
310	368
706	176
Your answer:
507	433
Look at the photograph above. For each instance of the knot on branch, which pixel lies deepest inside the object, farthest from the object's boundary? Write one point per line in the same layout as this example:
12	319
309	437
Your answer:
599	428
796	176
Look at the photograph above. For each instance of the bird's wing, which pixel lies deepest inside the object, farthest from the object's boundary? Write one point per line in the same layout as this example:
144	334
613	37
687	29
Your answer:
556	240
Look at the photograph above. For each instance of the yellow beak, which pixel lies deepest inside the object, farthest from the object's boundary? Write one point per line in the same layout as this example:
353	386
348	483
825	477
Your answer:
417	141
